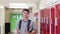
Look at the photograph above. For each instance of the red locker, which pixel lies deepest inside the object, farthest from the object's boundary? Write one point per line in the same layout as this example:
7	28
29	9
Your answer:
58	18
45	14
47	10
41	22
48	30
44	24
44	28
48	20
53	19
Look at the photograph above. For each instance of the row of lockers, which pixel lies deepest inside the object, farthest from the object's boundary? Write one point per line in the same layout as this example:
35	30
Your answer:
50	20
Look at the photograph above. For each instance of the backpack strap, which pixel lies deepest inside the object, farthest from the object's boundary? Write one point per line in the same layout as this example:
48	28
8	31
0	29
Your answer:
20	22
28	26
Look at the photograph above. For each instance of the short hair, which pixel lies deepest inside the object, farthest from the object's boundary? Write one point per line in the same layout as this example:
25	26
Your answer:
26	10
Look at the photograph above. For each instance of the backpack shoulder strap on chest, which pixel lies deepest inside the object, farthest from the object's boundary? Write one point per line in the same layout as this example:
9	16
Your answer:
20	22
28	26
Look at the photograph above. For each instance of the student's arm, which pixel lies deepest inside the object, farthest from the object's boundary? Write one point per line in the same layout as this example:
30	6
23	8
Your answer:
34	28
34	32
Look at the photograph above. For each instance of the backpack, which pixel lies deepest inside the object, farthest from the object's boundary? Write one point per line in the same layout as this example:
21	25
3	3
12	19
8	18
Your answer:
28	26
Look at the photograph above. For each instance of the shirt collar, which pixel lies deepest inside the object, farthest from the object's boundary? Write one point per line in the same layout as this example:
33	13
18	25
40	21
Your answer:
25	21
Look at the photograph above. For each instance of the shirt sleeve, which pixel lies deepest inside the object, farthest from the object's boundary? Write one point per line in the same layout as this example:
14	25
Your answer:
34	25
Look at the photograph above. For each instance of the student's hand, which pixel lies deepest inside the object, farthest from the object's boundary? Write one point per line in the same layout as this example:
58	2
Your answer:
27	33
17	32
34	32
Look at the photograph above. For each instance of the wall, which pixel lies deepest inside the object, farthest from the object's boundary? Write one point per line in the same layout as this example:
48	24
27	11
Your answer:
2	19
9	11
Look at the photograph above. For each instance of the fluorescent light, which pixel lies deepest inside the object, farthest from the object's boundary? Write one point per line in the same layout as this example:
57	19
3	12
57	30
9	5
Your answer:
1	6
18	5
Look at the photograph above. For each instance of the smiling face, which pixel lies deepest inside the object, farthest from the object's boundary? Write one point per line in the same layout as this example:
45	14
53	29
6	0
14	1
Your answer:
25	13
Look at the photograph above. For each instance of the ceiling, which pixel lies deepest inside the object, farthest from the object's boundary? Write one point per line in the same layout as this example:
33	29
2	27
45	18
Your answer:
6	2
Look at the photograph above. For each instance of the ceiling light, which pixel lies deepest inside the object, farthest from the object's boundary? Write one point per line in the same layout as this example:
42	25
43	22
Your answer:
18	5
1	6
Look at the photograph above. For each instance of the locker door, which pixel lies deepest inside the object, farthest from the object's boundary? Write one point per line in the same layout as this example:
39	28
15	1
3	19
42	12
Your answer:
41	14
48	16
44	21
41	22
53	19
49	21
58	18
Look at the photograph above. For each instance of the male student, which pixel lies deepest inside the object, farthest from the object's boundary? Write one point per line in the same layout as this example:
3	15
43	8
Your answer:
25	25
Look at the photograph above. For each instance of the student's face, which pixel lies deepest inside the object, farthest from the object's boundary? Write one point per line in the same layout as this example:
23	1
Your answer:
25	14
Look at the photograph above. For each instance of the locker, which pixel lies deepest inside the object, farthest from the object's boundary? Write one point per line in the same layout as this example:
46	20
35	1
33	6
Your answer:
44	21
48	25
48	15
58	18
53	19
50	20
47	20
42	24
